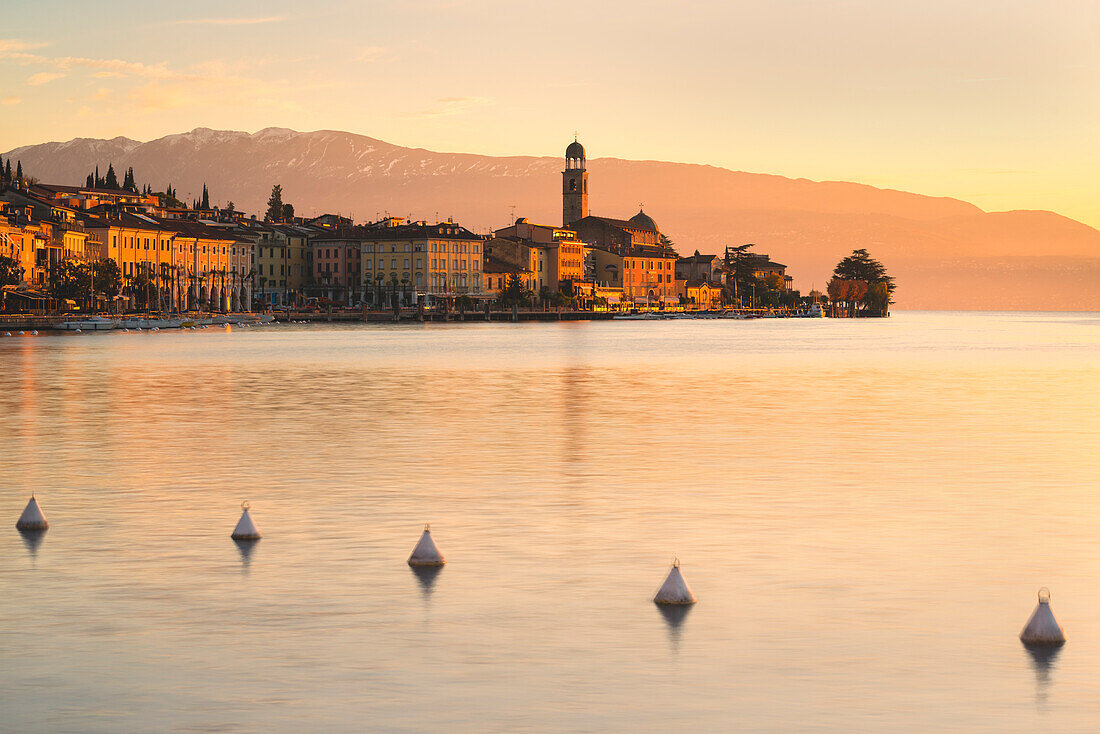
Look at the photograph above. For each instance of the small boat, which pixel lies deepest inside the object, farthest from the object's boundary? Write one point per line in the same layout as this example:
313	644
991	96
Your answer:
92	323
151	323
638	317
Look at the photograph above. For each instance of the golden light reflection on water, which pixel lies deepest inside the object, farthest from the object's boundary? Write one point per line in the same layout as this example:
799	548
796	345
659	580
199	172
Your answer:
864	509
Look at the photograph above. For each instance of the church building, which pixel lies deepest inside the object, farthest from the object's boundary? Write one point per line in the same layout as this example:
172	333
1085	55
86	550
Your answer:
626	253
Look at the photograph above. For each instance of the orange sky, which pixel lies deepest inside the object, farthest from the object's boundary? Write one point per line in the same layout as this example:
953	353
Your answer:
992	101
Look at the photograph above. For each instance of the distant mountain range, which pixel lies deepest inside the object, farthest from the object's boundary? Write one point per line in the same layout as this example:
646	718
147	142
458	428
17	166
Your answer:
944	252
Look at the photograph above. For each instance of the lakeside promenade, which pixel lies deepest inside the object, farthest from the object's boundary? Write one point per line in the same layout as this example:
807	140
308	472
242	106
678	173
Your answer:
49	322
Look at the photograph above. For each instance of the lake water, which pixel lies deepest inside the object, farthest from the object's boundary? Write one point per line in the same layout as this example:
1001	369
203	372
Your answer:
865	510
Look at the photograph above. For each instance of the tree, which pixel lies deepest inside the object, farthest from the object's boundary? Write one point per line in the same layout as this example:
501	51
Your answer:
10	271
515	293
7	172
69	279
740	272
128	180
108	277
139	286
205	197
275	205
230	209
862	267
877	300
18	172
666	241
110	181
89	182
846	291
288	212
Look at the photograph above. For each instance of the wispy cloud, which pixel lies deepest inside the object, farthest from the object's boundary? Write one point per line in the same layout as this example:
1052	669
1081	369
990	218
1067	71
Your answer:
151	87
43	77
10	100
18	44
231	21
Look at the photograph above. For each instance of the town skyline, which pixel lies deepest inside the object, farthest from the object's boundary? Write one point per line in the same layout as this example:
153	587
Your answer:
980	104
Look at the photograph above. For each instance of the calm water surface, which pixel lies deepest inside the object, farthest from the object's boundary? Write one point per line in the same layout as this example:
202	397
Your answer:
865	510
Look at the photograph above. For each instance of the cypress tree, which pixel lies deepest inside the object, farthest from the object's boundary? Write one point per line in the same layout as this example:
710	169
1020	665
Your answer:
110	181
98	180
18	171
89	182
7	171
275	205
205	197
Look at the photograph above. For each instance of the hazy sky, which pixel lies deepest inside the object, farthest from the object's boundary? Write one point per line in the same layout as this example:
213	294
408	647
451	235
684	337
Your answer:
992	101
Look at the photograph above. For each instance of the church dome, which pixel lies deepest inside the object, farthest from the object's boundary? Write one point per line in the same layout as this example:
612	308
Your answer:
575	150
644	221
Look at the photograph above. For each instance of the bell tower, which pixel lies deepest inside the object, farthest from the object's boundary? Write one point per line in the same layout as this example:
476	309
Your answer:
574	180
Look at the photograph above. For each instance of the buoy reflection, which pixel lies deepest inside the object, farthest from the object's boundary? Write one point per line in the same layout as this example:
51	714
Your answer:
426	576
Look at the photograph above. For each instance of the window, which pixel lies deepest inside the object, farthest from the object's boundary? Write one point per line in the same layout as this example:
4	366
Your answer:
406	263
477	248
393	263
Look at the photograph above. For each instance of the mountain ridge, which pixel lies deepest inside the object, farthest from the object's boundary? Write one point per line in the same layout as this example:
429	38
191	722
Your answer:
808	225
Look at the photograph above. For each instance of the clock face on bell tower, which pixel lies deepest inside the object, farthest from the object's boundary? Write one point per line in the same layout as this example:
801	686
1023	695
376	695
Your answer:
574	185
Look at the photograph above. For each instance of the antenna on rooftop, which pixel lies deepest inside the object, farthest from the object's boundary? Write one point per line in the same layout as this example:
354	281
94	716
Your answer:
513	213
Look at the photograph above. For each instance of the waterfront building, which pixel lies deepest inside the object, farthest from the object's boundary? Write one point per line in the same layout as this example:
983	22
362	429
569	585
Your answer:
283	263
497	274
700	293
710	268
186	262
338	266
242	270
414	262
508	256
555	255
763	267
46	232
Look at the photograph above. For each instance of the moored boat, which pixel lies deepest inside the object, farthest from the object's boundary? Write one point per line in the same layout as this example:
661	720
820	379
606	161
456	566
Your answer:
91	323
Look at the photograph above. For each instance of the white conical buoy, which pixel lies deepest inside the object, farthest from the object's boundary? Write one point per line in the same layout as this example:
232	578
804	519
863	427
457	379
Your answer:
32	517
246	529
425	553
1042	628
674	590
